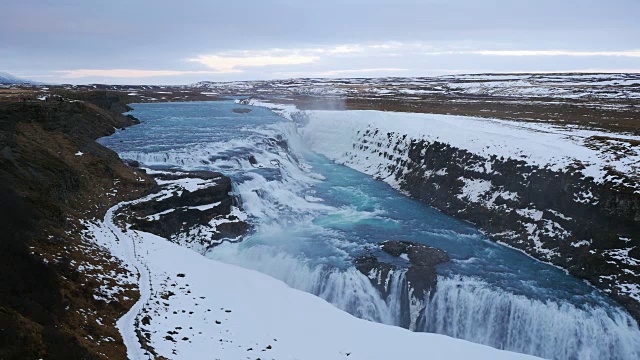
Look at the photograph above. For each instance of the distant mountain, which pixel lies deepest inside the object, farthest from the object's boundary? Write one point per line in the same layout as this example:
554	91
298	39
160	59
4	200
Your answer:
6	78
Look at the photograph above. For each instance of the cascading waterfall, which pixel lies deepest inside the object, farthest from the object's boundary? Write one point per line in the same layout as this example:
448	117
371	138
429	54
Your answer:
298	240
460	307
469	309
347	289
224	154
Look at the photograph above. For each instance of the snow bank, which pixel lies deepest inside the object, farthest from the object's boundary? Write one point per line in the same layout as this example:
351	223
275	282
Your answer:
284	110
192	307
333	133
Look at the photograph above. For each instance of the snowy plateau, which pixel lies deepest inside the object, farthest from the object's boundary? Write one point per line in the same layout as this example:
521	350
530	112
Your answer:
564	86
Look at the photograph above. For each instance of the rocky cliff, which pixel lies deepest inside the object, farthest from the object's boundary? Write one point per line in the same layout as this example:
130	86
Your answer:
60	295
195	209
564	195
590	229
411	279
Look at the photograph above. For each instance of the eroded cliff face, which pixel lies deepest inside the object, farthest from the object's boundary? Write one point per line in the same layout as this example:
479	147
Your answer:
562	217
62	294
564	195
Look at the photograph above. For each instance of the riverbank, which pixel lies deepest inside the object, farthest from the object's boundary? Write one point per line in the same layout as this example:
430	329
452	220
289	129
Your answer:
314	219
85	280
116	193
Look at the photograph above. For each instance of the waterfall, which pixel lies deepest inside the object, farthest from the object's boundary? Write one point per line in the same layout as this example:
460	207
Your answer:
460	307
347	289
469	309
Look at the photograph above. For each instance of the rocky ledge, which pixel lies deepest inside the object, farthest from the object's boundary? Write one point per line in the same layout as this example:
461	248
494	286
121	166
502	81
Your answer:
195	209
410	267
560	217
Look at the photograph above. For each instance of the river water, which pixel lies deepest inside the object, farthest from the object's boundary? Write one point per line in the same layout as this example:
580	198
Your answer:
312	217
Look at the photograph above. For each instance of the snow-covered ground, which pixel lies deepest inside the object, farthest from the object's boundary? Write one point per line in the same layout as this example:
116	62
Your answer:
566	86
192	307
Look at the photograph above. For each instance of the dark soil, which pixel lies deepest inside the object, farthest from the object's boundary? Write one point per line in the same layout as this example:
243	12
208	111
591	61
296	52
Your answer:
47	306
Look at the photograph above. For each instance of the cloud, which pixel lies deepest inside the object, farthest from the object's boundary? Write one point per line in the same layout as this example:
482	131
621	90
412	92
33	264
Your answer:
231	64
635	53
342	49
630	53
234	61
124	73
392	58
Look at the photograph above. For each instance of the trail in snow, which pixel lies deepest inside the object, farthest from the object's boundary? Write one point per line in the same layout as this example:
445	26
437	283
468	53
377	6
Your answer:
127	323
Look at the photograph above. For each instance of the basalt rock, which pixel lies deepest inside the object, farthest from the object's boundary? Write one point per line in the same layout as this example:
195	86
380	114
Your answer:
132	163
423	259
217	192
419	255
372	267
418	267
202	216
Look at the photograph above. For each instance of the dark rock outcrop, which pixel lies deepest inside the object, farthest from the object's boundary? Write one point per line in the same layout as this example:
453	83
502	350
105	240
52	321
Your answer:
132	163
202	216
376	270
241	110
422	259
53	175
418	278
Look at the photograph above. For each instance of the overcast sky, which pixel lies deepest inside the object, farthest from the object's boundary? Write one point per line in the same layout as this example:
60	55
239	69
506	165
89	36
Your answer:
181	42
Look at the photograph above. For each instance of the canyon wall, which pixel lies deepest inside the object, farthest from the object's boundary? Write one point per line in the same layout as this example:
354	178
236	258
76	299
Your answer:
563	199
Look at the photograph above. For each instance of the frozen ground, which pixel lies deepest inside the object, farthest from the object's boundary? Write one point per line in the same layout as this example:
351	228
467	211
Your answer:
565	86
